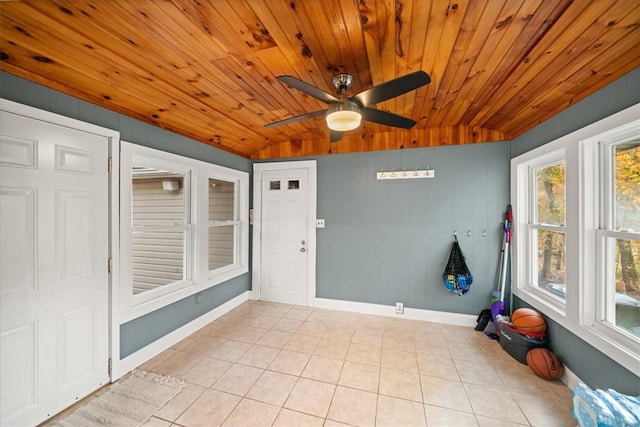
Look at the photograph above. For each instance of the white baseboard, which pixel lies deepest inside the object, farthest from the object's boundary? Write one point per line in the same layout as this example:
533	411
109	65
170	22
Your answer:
129	363
389	311
570	379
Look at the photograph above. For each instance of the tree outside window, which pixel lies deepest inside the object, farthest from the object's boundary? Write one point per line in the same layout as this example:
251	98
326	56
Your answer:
548	228
626	227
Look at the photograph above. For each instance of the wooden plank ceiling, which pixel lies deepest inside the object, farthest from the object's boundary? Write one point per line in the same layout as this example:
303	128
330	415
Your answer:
207	69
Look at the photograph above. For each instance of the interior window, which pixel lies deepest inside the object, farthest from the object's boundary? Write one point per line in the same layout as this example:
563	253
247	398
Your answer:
183	228
222	223
159	225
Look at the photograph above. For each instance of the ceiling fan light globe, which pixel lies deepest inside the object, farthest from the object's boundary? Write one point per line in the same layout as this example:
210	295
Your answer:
343	121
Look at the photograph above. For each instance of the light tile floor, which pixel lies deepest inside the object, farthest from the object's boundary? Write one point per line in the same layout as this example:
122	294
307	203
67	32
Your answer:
266	364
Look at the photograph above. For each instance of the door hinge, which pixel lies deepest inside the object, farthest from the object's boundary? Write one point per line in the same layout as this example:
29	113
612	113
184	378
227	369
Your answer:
109	265
110	164
110	366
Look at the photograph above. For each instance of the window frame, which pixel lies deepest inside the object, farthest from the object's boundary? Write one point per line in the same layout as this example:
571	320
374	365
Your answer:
597	155
186	225
197	275
584	251
533	226
240	223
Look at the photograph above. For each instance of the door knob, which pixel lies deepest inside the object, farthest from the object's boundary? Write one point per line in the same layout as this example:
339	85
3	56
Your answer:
303	250
302	242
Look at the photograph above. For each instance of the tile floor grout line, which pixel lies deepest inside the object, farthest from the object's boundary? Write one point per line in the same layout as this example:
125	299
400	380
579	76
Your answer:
403	343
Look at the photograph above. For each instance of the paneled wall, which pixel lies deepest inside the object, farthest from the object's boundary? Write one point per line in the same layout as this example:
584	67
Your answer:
587	362
388	241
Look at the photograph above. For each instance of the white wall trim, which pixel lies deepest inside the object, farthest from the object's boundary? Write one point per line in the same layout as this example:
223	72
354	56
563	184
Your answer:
390	311
570	379
129	363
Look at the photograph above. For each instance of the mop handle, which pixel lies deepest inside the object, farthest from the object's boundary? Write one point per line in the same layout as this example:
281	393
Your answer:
505	253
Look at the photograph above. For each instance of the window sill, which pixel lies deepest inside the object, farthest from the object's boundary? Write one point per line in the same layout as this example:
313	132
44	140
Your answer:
185	290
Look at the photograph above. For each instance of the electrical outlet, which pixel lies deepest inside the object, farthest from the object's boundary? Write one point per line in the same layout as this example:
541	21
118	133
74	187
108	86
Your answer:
399	308
319	223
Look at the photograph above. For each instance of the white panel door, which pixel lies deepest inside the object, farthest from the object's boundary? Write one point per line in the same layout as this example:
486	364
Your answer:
285	218
54	342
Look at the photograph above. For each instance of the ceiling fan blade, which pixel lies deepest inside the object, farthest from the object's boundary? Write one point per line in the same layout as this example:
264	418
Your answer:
308	89
295	119
386	118
335	135
392	88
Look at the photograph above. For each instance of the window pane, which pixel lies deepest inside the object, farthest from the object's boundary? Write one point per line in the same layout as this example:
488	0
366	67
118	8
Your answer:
550	195
627	285
551	262
221	200
157	197
627	186
158	259
221	237
294	185
221	246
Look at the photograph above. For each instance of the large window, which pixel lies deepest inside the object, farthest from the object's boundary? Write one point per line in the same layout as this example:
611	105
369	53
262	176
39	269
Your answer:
184	228
577	233
619	234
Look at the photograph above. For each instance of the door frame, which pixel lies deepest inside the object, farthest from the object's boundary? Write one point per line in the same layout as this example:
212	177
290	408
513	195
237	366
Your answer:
113	149
256	270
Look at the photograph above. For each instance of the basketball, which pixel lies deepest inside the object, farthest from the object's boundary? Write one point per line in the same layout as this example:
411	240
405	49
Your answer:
544	363
528	320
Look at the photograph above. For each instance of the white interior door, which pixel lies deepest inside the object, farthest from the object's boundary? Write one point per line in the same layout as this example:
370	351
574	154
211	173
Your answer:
287	247
54	342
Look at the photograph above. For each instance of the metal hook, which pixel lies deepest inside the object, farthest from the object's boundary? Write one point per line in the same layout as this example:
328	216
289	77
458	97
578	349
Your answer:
484	233
469	233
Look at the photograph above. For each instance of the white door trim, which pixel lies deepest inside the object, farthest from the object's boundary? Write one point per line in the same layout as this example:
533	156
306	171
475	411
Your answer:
258	168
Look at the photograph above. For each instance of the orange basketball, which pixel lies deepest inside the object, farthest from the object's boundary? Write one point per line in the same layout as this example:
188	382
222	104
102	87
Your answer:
544	363
528	320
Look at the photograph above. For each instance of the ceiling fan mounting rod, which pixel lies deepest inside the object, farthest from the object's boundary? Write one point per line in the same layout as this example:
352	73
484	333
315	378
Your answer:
342	82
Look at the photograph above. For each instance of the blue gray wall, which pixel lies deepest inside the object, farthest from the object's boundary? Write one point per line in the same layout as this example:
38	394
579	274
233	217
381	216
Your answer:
388	241
144	330
588	363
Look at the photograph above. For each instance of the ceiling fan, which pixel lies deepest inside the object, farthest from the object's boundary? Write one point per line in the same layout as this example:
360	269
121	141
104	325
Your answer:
345	113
